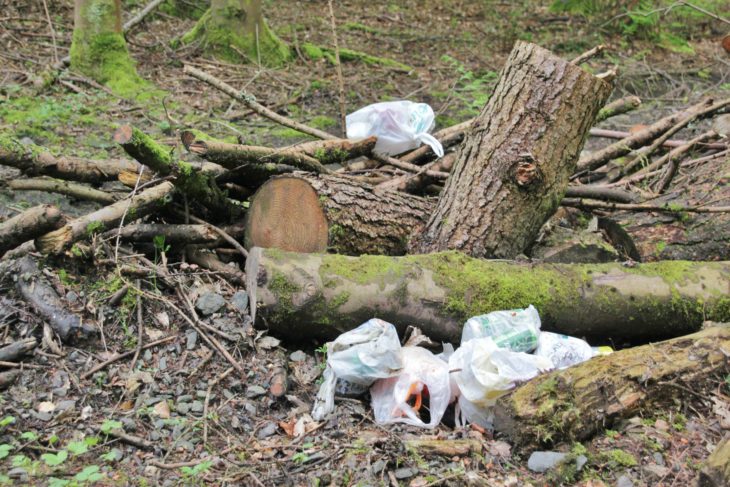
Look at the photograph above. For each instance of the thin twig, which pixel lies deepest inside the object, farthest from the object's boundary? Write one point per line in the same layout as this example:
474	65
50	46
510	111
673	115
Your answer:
207	400
670	208
123	355
588	55
141	15
140	325
53	32
338	66
223	235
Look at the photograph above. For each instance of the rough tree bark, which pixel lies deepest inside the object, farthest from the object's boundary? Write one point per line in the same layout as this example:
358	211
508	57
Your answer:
98	48
235	30
574	404
515	162
306	213
318	295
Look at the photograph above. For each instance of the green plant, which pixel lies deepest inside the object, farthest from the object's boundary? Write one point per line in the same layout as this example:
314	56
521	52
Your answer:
6	421
299	457
108	425
197	470
89	474
55	459
471	89
29	436
5	450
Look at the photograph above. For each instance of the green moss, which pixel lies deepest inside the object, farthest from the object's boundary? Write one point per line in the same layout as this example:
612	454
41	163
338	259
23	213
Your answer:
361	27
313	52
231	37
619	458
94	227
368	269
322	122
340	299
346	55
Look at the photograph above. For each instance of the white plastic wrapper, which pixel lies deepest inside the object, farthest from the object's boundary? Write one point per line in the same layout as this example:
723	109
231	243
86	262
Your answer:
563	350
399	125
517	329
484	372
424	377
360	356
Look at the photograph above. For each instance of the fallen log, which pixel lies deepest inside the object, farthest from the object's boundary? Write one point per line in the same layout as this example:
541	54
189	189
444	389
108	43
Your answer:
320	296
67	188
138	205
515	163
34	160
28	225
231	156
575	403
8	378
306	213
146	232
198	186
617	107
716	472
336	151
35	291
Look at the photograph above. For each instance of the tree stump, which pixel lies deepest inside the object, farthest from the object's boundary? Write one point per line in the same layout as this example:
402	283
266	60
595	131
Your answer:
307	213
513	167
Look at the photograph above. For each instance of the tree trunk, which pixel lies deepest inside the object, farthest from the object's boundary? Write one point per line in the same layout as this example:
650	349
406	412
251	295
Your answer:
321	296
305	213
98	48
514	164
235	30
575	403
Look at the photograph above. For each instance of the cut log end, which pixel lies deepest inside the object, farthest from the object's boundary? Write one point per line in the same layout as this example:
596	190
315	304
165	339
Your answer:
124	134
286	214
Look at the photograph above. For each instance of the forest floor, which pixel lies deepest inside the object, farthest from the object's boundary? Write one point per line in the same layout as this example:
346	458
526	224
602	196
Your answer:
202	424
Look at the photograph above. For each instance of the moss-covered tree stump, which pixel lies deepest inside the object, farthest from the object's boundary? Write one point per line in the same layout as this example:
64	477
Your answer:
235	30
99	50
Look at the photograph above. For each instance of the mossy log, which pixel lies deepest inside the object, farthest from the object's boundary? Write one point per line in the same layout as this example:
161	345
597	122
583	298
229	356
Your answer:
321	296
34	160
575	403
336	151
26	226
198	186
516	160
306	213
617	107
104	218
716	472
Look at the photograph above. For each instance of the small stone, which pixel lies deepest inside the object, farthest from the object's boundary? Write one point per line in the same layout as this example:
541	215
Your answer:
624	481
240	301
128	424
155	436
147	356
298	356
209	303
267	430
655	472
250	408
197	406
511	481
72	297
378	467
580	462
192	339
661	425
659	459
18	473
404	473
65	405
201	394
163	363
542	461
185	398
255	391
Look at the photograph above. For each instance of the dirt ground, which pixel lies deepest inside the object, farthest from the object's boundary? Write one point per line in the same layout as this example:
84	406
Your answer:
189	419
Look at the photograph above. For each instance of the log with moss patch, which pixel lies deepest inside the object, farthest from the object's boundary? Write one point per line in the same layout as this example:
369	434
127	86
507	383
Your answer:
574	404
104	218
27	225
317	295
307	213
68	188
198	186
34	160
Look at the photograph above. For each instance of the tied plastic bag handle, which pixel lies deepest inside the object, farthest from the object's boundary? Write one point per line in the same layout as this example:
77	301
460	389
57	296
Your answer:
430	140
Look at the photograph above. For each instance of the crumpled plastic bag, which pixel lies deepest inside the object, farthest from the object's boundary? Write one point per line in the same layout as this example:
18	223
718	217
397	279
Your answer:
424	377
517	329
563	350
484	372
399	126
360	356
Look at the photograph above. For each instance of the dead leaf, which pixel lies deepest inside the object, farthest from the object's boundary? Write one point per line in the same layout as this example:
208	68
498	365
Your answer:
136	379
267	342
153	333
288	426
46	407
162	319
162	409
500	449
126	406
720	408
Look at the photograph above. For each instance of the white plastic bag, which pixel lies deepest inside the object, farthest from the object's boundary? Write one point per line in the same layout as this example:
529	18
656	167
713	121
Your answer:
399	126
360	356
424	377
563	350
483	372
516	329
